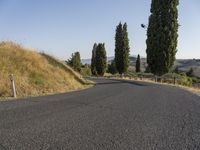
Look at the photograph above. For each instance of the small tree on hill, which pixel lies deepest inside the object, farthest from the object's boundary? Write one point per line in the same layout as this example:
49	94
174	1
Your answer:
70	60
75	61
138	64
176	70
190	73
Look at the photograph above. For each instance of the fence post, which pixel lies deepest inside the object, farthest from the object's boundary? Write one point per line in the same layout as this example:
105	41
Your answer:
141	77
13	91
161	80
174	80
156	79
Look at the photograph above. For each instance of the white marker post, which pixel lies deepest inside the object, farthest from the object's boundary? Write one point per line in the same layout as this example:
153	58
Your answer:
174	80
156	79
13	91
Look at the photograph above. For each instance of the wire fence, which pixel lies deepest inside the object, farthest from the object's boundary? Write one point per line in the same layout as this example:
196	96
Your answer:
154	78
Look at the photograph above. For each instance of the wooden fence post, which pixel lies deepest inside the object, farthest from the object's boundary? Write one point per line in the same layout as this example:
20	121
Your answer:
174	80
13	91
156	79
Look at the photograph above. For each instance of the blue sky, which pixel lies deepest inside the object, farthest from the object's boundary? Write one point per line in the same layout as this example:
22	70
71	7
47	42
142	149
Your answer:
60	27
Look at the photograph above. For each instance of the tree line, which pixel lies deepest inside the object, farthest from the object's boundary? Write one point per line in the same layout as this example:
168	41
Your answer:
120	64
162	35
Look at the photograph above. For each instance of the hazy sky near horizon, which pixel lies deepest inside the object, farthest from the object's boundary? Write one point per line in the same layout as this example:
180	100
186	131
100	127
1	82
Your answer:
60	27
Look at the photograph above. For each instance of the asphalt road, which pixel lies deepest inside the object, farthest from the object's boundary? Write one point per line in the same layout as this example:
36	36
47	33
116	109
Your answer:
113	115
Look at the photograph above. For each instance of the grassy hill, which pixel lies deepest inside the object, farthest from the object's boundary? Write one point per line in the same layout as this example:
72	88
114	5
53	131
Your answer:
34	73
184	65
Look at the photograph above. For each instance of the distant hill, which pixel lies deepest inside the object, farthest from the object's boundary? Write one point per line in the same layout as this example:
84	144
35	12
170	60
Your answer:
186	64
34	73
88	61
109	59
183	65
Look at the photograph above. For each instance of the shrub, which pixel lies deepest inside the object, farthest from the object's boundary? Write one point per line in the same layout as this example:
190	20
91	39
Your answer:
86	71
182	79
112	68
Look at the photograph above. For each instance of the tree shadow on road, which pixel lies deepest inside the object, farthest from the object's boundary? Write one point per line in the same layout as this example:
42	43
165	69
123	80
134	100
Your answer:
107	82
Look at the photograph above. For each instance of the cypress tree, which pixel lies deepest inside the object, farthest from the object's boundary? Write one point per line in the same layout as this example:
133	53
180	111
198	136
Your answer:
122	48
101	59
126	48
93	61
137	67
118	47
162	36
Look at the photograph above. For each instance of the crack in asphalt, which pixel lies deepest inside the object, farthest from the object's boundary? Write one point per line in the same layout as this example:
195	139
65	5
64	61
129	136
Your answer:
2	147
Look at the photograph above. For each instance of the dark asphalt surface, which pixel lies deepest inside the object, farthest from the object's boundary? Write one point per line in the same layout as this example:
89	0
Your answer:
113	115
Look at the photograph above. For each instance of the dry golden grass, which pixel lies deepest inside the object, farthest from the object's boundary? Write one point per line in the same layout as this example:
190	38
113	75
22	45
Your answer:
33	73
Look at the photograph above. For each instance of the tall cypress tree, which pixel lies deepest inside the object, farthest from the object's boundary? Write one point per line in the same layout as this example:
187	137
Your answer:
122	48
138	64
101	59
162	36
126	48
118	47
93	61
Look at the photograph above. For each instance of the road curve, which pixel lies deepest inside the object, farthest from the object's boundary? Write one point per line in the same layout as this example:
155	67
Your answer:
113	115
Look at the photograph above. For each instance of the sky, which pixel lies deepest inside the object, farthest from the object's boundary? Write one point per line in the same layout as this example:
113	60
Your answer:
61	27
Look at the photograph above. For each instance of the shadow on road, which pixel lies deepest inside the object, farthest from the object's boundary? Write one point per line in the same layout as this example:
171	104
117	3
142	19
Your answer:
120	82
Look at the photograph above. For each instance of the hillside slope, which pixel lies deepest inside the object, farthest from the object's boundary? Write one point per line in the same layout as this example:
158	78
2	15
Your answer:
34	73
186	64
